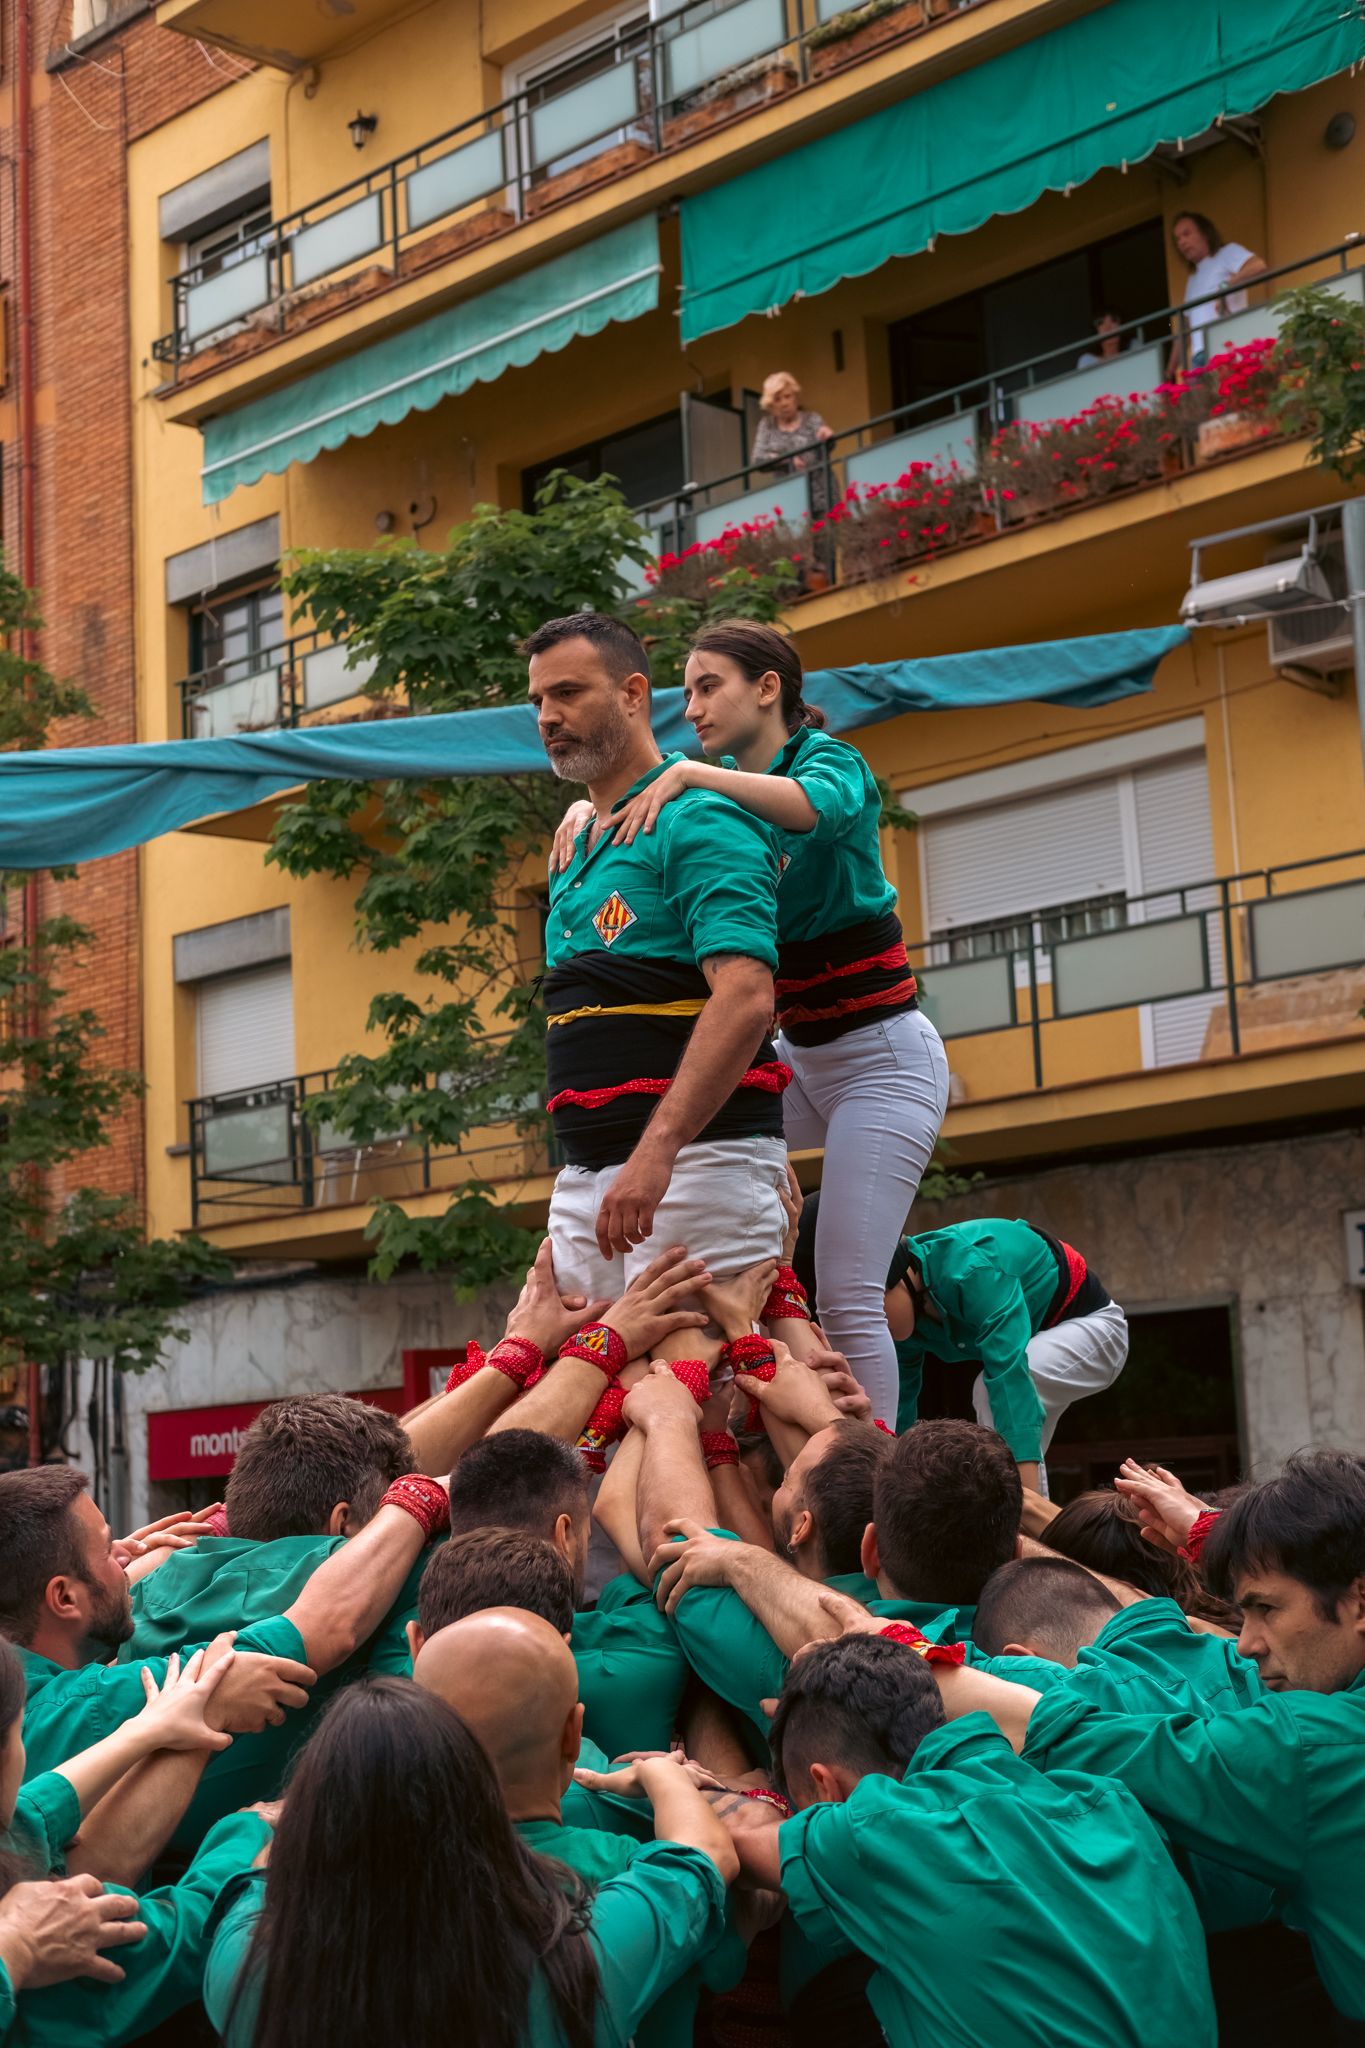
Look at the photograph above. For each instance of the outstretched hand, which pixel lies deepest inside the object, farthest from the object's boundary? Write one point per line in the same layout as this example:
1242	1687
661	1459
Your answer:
544	1315
657	1302
641	813
567	831
736	1303
1165	1510
174	1716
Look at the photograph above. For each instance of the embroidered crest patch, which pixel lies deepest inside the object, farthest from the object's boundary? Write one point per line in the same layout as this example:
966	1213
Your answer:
595	1340
784	861
615	917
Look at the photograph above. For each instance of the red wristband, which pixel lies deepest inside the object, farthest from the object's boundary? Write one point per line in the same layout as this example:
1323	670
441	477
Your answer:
718	1447
788	1301
884	1427
217	1523
465	1368
604	1427
424	1499
752	1355
914	1639
521	1360
1199	1533
600	1345
769	1798
695	1376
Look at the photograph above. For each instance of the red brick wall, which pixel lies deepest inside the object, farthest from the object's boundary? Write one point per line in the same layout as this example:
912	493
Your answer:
120	86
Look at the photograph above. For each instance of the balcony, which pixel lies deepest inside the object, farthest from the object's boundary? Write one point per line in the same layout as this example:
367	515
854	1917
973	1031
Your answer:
287	35
291	684
1235	1000
694	71
1025	445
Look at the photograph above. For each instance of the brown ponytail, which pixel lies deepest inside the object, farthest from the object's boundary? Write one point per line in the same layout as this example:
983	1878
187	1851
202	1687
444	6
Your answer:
756	649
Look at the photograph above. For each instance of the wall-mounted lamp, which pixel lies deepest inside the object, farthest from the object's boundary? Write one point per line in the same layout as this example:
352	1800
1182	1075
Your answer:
1340	131
362	127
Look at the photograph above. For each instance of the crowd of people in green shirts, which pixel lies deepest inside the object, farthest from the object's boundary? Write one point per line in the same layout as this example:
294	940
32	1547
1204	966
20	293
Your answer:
861	1739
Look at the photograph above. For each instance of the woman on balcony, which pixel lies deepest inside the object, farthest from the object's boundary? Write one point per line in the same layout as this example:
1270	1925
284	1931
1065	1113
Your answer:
789	438
870	1076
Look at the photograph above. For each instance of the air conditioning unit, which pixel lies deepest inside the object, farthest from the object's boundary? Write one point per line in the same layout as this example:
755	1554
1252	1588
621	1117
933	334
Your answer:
1318	637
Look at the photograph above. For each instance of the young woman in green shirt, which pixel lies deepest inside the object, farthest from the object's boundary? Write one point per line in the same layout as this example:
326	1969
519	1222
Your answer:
399	1904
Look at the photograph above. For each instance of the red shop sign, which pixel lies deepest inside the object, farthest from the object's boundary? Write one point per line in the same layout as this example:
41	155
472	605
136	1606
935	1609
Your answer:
202	1443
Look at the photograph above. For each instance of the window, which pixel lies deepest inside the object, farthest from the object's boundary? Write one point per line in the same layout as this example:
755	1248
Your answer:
229	243
592	93
245	1029
1048	928
647	462
236	633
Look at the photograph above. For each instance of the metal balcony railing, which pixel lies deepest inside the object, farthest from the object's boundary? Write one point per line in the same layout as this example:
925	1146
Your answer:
278	686
697	66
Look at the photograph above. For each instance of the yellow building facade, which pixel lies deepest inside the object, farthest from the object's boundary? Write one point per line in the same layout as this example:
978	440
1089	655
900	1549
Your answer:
1204	1148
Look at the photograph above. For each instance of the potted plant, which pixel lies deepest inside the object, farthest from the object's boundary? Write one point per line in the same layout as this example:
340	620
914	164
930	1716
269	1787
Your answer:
859	30
1320	382
723	99
609	163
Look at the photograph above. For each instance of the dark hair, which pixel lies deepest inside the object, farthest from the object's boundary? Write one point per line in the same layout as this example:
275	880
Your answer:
1046	1602
946	1510
495	1568
517	1479
1102	1529
859	1701
1205	227
1106	313
38	1542
838	1491
1308	1523
301	1456
618	646
756	649
394	1843
14	1867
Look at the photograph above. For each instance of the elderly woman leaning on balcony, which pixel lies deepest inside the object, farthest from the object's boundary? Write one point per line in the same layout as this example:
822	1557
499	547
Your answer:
788	437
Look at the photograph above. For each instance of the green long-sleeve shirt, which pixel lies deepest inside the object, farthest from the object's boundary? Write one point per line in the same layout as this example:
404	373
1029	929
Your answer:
992	1282
632	1671
999	1904
650	1922
1276	1791
163	1971
68	1711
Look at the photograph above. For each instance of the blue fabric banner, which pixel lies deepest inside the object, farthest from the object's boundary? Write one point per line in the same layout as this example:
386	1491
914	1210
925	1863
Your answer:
76	804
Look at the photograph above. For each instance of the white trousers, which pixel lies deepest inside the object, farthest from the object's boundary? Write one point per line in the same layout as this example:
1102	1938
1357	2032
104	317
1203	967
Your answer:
1072	1359
722	1203
874	1099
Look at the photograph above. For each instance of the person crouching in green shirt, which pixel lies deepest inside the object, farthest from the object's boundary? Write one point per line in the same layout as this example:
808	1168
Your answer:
400	1904
995	1903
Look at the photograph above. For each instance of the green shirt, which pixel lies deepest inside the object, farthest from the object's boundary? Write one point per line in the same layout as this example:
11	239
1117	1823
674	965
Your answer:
702	883
1002	1905
832	876
68	1711
165	1970
993	1282
47	1818
631	1667
1276	1791
649	1924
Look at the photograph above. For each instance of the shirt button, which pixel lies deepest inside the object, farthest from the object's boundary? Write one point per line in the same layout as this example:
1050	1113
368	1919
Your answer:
567	932
578	885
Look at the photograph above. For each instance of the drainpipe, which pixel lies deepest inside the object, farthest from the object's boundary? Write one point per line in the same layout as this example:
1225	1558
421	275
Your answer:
1353	540
28	549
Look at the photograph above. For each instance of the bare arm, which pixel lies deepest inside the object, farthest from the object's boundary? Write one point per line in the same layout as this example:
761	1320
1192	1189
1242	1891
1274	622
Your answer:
794	1610
614	1508
349	1594
737	1506
777	799
673	1479
451	1423
681	1814
132	1824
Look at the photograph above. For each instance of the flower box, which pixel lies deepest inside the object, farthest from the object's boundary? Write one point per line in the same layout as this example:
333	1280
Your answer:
462	234
598	170
831	52
727	100
1230	431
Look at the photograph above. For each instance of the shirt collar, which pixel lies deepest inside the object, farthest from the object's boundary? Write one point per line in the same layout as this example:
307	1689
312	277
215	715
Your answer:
785	755
644	780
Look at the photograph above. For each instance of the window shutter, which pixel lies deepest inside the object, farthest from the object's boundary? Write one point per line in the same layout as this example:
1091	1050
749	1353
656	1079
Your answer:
1057	847
1175	848
246	1028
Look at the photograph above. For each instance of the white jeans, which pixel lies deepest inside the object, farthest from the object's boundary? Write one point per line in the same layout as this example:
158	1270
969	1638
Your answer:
875	1100
1072	1359
722	1203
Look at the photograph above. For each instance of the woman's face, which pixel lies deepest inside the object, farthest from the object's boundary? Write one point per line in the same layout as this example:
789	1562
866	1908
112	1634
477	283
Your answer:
785	399
11	1768
721	705
1189	240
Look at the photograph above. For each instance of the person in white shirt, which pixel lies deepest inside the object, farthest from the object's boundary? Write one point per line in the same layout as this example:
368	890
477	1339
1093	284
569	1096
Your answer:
1213	265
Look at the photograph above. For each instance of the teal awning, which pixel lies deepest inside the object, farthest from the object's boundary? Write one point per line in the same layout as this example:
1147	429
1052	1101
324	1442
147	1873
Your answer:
75	804
1095	93
614	278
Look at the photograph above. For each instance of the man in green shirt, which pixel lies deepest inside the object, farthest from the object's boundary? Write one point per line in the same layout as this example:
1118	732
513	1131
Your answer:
666	1103
995	1903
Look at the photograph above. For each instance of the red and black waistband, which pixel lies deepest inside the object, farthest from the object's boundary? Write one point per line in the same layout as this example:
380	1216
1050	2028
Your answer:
615	1032
843	980
1079	1292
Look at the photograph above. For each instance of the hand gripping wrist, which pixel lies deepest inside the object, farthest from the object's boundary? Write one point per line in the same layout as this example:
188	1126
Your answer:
718	1447
604	1427
600	1345
1199	1533
693	1374
913	1639
754	1356
424	1499
787	1302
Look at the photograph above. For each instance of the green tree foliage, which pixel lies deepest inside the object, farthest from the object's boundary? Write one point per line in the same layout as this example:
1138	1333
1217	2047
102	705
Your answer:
1321	359
79	1281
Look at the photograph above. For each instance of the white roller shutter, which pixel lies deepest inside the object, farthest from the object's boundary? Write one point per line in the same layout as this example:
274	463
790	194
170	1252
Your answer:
1059	846
1175	848
246	1028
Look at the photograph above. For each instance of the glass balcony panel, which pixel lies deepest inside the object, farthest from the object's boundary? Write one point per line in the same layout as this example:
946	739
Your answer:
942	444
743	32
976	995
328	680
788	500
237	290
468	173
1308	932
251	704
589	112
1061	398
254	1142
1262	323
338	239
1146	963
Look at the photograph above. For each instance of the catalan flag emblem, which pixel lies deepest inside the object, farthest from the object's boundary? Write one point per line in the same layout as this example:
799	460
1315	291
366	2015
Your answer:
595	1340
784	861
615	917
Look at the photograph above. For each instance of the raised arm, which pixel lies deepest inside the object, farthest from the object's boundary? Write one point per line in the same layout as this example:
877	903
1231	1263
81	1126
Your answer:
794	1610
672	1480
349	1594
681	1814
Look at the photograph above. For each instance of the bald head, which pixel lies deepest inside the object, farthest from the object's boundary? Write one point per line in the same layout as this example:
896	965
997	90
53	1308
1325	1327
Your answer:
513	1679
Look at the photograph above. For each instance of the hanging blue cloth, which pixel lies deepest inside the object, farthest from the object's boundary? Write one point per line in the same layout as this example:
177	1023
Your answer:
69	805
